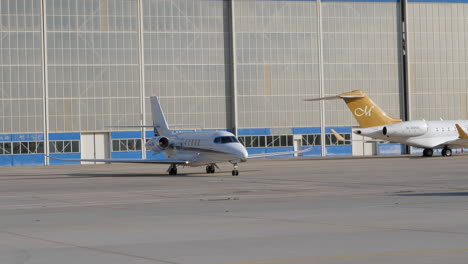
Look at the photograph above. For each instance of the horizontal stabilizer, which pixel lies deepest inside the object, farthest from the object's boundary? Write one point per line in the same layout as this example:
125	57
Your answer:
323	98
461	132
258	156
136	126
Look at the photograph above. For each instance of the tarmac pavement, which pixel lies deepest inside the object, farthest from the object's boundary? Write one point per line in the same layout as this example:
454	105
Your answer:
368	210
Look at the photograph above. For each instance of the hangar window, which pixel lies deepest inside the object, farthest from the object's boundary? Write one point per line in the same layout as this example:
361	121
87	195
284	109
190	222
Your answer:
126	144
65	146
266	141
28	147
311	140
5	148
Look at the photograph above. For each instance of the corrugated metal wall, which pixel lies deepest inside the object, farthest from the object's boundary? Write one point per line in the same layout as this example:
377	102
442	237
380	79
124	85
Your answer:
92	64
96	50
21	89
187	60
277	58
438	54
362	51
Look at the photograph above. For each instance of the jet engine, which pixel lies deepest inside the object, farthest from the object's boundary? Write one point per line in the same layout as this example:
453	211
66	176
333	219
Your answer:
157	144
406	129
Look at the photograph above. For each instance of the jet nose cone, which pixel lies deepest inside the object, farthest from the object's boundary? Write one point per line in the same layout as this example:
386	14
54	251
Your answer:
241	153
244	154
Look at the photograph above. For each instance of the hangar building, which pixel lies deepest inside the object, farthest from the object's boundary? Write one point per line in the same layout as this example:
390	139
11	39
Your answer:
71	69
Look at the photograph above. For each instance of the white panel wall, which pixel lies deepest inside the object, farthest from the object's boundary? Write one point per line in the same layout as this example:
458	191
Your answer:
362	51
438	66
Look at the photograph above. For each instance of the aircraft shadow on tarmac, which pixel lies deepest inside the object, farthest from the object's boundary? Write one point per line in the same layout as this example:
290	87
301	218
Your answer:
108	175
434	194
83	175
133	175
159	175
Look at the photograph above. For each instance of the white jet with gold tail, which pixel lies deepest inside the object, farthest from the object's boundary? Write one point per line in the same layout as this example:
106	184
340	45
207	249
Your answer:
376	124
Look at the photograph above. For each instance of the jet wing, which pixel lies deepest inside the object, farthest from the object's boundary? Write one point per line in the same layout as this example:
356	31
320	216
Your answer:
461	141
149	161
257	156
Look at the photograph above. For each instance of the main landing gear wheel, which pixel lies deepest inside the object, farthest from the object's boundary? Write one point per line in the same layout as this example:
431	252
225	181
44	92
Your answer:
446	152
235	172
210	168
172	170
428	152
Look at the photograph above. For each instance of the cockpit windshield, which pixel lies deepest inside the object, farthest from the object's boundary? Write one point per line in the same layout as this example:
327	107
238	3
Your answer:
225	140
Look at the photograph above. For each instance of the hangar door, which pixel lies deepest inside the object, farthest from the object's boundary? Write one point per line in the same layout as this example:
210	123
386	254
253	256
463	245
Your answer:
95	146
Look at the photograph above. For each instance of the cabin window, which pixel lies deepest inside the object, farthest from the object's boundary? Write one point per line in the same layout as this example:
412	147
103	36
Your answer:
225	140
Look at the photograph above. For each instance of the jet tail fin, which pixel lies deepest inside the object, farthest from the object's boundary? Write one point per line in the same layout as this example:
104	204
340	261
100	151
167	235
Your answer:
364	110
159	120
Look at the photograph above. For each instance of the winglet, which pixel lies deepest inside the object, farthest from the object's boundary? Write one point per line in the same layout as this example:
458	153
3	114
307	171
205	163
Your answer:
338	136
461	132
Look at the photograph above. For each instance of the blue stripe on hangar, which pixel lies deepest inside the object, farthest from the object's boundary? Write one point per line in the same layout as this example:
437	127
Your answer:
346	130
64	136
22	137
254	132
126	134
316	130
305	130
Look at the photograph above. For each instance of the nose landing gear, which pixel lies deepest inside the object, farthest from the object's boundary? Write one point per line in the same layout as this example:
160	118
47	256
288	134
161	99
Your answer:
235	172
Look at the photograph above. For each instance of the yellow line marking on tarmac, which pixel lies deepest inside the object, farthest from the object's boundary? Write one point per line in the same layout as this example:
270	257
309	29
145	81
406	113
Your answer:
402	253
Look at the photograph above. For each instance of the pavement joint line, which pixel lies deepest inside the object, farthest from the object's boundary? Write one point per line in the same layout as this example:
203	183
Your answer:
357	256
107	251
348	225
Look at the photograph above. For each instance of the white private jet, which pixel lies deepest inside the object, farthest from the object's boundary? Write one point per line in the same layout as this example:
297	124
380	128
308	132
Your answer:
194	148
376	124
